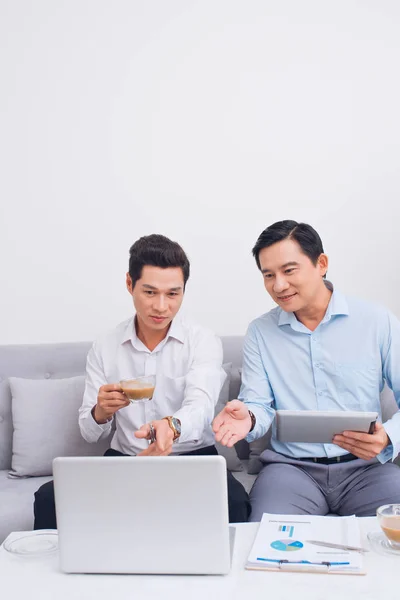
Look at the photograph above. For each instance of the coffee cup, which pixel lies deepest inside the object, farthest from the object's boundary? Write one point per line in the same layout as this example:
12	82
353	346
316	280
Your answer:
389	521
138	389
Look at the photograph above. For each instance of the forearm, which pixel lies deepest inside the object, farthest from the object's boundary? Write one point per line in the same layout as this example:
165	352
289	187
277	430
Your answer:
203	385
194	420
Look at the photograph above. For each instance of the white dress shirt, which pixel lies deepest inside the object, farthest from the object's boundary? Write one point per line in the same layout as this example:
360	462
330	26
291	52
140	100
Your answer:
189	376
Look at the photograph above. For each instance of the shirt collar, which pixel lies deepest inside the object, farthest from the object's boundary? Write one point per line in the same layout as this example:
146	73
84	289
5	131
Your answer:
337	306
176	331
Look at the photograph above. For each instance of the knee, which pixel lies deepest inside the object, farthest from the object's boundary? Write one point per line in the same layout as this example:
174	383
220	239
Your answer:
45	492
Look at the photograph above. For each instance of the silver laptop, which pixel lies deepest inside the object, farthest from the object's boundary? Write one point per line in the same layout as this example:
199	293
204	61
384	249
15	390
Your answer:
142	515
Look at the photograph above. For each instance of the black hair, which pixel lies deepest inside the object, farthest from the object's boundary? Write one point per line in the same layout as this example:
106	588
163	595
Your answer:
305	235
158	251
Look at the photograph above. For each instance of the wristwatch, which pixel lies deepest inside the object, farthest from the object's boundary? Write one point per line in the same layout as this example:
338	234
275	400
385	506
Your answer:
253	420
175	425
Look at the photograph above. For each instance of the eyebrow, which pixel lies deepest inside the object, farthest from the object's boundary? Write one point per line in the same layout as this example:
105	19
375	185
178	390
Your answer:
151	287
288	264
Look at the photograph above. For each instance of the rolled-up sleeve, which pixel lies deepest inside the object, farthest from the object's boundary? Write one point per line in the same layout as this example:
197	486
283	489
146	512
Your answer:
95	378
202	387
255	390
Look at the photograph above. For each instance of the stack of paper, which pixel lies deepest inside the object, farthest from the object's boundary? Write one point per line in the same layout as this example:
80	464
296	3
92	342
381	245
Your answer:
282	544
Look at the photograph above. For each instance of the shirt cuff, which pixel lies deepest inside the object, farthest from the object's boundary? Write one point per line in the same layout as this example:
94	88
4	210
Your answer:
263	422
386	454
93	428
392	450
188	433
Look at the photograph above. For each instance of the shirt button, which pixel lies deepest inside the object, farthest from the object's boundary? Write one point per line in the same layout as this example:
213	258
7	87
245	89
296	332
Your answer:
320	393
47	375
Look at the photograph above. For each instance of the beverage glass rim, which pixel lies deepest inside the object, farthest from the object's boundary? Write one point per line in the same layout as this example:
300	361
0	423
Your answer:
381	509
137	378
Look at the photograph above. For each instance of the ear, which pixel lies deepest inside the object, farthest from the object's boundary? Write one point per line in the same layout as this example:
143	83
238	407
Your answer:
129	284
323	264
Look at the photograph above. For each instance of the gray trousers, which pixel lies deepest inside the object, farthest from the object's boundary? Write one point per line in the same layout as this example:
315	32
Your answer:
296	487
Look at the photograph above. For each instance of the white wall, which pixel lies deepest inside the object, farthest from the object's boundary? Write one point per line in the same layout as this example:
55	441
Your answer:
206	121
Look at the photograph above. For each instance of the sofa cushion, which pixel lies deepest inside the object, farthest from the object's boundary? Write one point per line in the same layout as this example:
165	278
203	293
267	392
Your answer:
236	380
16	505
233	462
45	422
245	478
256	448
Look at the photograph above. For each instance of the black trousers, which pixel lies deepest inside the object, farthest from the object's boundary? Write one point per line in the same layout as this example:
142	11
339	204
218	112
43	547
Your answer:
238	500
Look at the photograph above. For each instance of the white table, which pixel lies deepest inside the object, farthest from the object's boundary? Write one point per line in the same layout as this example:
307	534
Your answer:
31	579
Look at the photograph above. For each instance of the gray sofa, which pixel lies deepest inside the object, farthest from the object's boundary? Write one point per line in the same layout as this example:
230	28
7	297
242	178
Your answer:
57	362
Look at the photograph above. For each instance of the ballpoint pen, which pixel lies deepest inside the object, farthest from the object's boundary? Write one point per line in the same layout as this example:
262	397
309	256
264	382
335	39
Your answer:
338	546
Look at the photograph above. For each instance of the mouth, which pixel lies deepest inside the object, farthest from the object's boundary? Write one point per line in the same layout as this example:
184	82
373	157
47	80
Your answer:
286	298
158	319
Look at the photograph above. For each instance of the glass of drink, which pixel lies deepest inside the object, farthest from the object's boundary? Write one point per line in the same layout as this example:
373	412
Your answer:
389	521
139	389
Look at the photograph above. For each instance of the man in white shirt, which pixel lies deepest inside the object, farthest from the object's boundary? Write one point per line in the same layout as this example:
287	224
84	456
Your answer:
185	358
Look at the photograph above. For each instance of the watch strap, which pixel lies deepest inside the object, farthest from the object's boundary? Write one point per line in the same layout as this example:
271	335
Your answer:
253	420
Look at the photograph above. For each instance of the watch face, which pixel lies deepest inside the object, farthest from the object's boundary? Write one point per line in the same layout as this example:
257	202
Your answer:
177	425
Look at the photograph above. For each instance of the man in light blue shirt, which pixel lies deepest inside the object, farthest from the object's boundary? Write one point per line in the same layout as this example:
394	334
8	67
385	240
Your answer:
317	350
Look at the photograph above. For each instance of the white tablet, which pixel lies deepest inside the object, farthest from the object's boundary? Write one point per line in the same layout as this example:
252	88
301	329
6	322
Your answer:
311	426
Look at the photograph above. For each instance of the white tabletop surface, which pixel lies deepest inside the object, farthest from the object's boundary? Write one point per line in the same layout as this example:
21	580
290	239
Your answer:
41	579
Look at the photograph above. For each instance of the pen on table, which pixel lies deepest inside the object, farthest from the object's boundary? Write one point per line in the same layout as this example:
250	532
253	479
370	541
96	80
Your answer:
337	546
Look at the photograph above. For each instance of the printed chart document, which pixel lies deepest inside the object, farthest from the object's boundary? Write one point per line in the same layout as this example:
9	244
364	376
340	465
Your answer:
281	544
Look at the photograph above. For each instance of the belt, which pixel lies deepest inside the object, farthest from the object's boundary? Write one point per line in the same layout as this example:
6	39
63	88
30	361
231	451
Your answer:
323	460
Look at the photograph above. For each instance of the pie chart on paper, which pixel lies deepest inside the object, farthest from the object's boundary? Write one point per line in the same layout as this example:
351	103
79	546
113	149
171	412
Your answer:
289	545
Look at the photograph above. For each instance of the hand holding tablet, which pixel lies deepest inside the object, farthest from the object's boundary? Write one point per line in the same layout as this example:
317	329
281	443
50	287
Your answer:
309	426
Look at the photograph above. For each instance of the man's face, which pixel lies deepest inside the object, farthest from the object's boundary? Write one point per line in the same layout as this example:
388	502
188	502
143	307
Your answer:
290	277
157	296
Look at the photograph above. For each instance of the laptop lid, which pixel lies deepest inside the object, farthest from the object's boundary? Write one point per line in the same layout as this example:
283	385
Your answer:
142	515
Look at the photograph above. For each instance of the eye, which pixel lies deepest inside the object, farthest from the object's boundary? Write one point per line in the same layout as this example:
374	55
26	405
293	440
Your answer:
268	275
288	271
149	293
173	294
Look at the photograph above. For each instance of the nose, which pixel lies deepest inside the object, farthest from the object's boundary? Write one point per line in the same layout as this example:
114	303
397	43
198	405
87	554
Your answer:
160	303
280	284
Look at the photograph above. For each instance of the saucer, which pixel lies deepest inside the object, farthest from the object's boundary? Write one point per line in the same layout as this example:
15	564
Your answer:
380	544
37	543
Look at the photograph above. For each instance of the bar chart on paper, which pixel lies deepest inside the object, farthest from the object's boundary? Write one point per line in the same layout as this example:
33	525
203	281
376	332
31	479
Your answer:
288	544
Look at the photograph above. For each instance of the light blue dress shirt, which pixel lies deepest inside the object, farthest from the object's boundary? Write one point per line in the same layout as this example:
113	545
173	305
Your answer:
341	365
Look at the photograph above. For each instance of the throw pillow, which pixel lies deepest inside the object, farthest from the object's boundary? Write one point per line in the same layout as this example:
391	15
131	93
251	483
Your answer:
233	462
45	423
